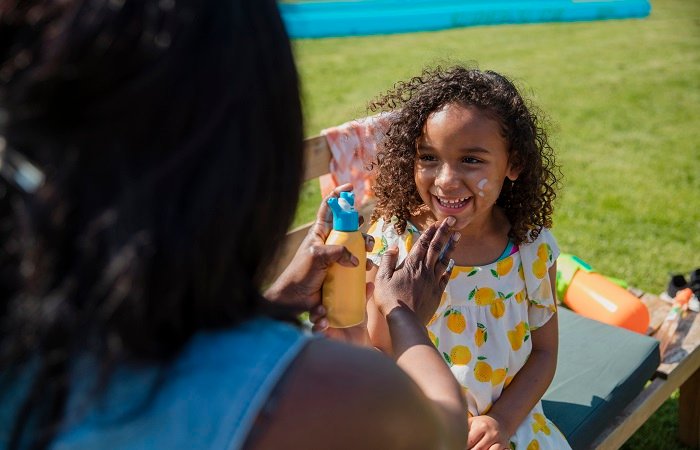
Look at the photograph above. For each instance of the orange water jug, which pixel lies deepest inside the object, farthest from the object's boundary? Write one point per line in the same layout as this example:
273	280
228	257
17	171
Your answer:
593	295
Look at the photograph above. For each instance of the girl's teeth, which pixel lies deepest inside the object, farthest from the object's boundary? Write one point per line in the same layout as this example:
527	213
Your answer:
453	203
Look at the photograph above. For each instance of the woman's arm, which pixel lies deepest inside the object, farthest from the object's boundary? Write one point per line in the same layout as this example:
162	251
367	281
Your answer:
526	389
338	396
406	299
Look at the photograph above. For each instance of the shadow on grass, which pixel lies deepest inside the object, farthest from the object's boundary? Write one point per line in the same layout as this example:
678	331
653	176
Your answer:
660	432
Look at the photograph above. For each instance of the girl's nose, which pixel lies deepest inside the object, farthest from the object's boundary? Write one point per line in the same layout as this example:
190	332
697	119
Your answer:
447	177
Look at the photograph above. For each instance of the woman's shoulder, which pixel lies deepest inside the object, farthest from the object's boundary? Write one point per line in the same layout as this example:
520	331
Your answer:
331	395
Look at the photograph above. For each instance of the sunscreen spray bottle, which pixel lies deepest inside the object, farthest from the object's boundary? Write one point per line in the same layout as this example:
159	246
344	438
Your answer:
344	287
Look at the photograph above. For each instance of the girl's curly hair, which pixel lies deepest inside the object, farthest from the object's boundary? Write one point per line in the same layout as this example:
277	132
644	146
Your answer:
527	202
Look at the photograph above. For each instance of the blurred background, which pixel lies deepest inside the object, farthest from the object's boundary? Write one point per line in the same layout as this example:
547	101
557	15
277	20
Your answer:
623	102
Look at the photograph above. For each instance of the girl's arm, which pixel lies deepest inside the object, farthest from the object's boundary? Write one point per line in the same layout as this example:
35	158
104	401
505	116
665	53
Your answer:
526	389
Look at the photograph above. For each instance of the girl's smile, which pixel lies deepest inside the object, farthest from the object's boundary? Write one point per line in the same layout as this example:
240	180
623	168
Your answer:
461	164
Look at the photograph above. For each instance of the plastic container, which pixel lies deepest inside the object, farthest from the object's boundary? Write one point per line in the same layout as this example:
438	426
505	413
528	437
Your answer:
344	287
593	295
667	331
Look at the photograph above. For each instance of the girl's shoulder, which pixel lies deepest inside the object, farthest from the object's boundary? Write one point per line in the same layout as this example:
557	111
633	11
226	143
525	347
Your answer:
385	237
537	258
540	246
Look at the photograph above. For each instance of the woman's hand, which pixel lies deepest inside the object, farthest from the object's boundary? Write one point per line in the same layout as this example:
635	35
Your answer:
485	433
300	284
422	279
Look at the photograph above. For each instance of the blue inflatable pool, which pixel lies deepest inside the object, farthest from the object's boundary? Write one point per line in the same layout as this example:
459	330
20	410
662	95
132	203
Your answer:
365	17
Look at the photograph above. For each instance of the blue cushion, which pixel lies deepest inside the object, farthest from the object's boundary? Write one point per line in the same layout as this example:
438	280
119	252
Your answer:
601	368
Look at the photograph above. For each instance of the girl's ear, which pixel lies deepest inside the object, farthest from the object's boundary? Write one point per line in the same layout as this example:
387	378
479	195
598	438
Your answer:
513	171
515	164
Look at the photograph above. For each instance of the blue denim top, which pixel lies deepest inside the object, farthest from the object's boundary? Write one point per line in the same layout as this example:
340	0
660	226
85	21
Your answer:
207	398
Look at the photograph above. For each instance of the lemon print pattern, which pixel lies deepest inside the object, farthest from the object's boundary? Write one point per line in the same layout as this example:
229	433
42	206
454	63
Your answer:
460	355
533	445
540	424
539	268
544	255
483	326
434	339
409	242
518	335
458	270
484	373
498	308
481	335
455	321
484	296
503	267
498	376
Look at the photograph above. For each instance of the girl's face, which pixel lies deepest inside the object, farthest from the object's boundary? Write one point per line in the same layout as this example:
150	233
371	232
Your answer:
461	164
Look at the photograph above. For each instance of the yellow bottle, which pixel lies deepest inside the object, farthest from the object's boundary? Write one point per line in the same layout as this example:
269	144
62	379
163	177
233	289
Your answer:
344	287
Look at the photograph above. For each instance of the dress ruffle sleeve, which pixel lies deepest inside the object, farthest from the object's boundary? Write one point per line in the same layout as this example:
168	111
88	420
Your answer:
385	236
537	257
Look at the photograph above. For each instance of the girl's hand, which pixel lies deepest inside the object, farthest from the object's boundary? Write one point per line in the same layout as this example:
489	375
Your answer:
419	284
485	433
300	283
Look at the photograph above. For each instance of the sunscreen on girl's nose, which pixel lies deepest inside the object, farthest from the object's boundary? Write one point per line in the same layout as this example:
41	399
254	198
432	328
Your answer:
344	287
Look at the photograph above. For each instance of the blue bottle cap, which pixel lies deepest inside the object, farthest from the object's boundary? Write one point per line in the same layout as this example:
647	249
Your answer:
345	217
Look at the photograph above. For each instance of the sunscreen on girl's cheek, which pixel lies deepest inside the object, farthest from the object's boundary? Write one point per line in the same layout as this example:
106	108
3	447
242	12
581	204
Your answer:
481	185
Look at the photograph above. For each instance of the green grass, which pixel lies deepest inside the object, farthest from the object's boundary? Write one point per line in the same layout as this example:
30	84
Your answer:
623	99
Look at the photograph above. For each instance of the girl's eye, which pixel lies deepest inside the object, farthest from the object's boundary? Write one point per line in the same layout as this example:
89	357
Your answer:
426	158
470	160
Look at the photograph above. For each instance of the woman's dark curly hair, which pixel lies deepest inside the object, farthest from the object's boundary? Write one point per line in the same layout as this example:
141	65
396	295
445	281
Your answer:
170	137
527	202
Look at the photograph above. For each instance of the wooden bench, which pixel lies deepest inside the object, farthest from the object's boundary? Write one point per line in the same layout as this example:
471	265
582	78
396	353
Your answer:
680	367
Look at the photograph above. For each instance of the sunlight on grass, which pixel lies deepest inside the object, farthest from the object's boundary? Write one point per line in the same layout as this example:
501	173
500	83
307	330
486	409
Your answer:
622	97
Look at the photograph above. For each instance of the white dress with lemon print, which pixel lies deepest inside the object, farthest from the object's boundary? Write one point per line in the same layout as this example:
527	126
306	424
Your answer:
482	326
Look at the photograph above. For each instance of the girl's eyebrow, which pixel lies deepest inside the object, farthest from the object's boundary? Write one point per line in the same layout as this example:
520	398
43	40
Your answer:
476	150
425	147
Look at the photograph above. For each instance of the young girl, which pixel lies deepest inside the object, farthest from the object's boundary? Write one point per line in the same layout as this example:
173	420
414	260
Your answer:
463	143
